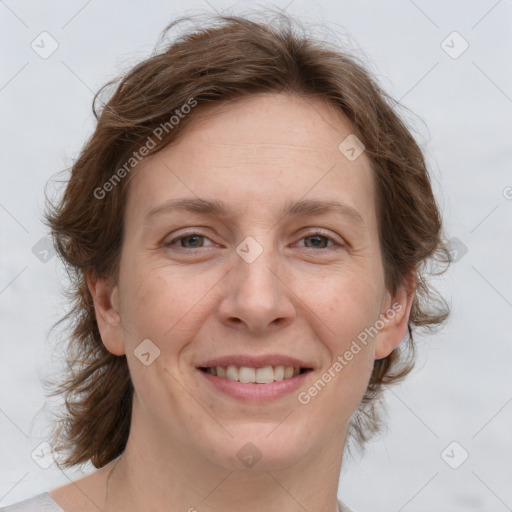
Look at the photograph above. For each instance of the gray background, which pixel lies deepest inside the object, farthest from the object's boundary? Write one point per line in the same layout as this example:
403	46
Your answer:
461	389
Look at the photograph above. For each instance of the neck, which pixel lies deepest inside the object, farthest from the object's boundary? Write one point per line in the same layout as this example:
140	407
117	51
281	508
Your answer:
153	474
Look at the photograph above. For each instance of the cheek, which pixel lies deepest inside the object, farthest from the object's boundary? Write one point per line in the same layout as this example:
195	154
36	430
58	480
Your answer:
346	302
164	304
347	317
348	307
155	308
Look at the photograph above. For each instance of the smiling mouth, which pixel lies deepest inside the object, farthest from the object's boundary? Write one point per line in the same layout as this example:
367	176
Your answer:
247	375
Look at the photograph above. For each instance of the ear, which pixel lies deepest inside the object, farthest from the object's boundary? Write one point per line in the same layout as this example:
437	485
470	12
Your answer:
105	295
395	317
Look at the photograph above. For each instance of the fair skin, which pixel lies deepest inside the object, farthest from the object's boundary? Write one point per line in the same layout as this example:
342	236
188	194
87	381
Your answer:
304	296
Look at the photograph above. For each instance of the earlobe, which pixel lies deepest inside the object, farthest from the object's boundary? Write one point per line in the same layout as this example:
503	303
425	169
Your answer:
105	295
395	319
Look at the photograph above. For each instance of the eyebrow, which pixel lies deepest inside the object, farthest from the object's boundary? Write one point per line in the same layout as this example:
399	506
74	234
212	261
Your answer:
291	209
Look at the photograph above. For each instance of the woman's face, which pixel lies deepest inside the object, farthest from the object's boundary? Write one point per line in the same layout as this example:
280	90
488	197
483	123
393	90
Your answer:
253	286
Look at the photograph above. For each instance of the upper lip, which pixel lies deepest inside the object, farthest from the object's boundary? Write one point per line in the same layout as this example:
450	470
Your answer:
255	361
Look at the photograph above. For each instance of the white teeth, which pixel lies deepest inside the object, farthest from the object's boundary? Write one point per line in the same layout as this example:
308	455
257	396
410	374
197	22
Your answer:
278	372
231	372
288	372
247	374
264	375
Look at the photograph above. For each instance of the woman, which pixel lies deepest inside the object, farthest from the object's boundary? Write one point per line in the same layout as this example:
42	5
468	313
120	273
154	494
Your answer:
247	229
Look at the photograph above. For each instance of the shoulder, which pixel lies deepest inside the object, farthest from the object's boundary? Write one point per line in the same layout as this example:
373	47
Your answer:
44	503
39	503
342	507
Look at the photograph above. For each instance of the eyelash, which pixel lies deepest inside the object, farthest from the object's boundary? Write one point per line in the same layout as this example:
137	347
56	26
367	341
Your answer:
320	233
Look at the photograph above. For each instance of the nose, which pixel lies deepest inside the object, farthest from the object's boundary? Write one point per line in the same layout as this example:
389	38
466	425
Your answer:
258	297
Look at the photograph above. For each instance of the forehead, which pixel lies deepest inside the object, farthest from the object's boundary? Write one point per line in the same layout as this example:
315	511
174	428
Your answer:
265	149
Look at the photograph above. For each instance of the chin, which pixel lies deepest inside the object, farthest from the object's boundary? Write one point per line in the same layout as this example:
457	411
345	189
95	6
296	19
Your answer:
260	447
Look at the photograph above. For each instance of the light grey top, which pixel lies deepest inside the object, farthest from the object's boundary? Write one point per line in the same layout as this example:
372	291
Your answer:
40	503
44	503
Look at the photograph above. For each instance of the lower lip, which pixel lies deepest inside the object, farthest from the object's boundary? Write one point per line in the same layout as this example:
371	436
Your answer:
252	392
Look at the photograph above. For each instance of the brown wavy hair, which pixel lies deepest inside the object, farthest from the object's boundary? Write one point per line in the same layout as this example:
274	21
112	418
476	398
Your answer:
227	58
